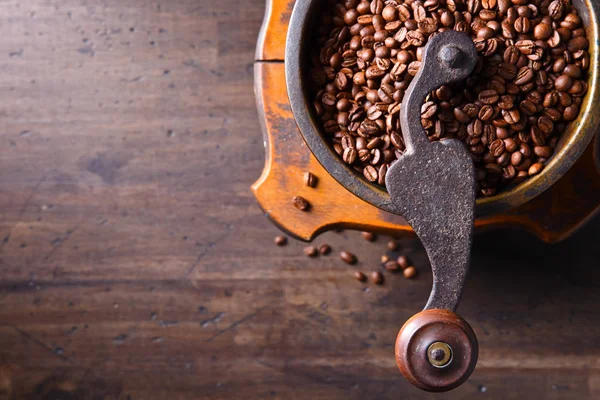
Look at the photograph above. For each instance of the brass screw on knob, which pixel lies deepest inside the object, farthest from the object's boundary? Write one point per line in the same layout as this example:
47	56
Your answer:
439	354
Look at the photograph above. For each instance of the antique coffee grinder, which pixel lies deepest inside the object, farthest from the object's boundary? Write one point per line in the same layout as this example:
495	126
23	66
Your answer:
430	189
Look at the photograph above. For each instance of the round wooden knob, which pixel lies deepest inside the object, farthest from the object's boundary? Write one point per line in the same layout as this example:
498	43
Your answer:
436	350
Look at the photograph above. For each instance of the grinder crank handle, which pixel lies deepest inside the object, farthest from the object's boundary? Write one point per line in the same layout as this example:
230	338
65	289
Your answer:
433	186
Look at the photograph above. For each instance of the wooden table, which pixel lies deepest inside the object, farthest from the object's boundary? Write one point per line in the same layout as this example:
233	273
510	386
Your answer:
136	264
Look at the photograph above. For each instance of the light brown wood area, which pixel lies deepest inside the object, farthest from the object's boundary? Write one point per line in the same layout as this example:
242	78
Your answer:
135	262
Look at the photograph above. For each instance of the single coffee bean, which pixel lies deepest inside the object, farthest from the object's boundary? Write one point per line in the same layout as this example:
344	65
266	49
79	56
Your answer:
410	272
525	75
511	116
348	257
542	31
368	236
570	113
280	240
381	174
542	151
325	249
350	155
377	277
497	148
403	262
526	47
535	169
300	203
310	180
488	97
428	109
392	245
359	276
563	83
516	158
545	125
391	266
311	251
370	173
509	172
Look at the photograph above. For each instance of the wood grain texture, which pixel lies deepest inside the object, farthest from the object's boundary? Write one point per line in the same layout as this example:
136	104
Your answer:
136	264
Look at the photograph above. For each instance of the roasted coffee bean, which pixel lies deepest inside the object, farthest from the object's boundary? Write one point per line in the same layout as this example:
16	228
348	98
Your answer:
542	151
368	236
403	262
350	155
381	174
300	203
348	257
497	148
570	112
428	109
524	76
516	158
511	116
310	180
391	266
280	240
526	47
537	137
510	144
392	245
488	97
311	251
511	55
370	172
563	83
545	125
359	276
377	278
325	249
542	31
506	102
509	172
410	272
507	70
535	169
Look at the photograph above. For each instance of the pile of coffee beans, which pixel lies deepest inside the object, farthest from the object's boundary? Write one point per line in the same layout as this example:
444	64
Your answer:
529	81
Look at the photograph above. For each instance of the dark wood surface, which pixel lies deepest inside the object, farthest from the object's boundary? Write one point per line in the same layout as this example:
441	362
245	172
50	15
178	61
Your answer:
136	264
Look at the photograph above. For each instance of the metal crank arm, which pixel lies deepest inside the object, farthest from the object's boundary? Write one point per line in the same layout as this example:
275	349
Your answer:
433	186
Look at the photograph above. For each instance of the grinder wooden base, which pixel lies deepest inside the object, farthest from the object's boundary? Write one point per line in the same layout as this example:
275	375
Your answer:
552	216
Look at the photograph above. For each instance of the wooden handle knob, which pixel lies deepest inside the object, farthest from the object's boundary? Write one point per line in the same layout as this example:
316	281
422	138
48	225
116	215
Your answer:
436	350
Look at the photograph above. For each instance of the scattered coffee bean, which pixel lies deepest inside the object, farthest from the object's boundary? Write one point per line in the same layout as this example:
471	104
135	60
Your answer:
311	251
385	259
368	236
391	266
325	249
377	277
409	272
348	257
359	276
310	180
392	245
403	262
300	203
280	240
531	76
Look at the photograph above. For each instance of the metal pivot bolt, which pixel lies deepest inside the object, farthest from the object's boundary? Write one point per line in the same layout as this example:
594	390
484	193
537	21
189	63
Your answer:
433	186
